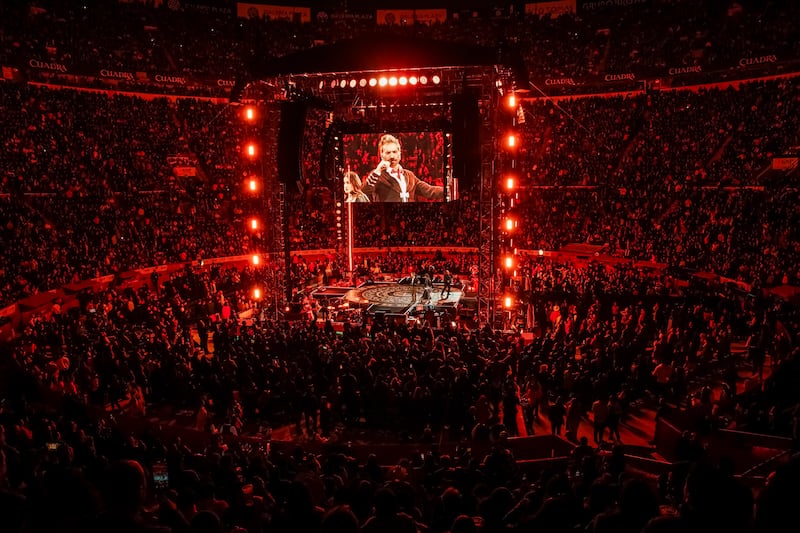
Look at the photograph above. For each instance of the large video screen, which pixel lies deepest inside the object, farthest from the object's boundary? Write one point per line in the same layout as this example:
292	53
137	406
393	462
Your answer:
395	167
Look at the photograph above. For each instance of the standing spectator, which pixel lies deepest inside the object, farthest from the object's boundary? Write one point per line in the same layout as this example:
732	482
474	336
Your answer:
599	419
556	415
573	417
662	373
530	404
387	515
614	417
510	407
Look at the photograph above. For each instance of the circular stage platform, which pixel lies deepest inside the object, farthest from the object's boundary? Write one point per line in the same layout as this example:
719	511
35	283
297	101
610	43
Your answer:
395	297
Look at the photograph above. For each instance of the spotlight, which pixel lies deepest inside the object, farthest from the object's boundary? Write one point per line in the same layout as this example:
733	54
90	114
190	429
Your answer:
508	302
509	224
253	224
512	101
511	140
353	84
541	252
510	184
251	150
509	261
343	84
252	185
362	82
383	81
403	80
436	79
321	84
373	82
249	114
393	81
257	294
333	84
423	80
256	259
412	80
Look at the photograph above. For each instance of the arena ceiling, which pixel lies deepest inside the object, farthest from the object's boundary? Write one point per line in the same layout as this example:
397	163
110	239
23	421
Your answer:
375	52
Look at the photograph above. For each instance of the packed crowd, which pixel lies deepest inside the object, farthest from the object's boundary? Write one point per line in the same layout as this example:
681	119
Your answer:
66	474
198	341
95	184
188	345
103	192
644	40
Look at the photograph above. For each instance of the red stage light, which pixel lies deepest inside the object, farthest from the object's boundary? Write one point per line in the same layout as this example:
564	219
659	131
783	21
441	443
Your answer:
353	84
256	259
403	80
252	185
393	81
253	224
362	82
412	80
251	150
249	114
383	82
436	79
423	80
373	82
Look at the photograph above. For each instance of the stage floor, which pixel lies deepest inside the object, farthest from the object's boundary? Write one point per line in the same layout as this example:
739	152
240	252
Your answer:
394	297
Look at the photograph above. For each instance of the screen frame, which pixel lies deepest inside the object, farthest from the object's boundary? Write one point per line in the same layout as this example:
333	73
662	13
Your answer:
401	131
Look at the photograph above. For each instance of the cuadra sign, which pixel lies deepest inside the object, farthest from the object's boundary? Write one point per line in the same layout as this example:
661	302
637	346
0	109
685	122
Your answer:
617	77
559	81
747	61
116	74
684	70
35	63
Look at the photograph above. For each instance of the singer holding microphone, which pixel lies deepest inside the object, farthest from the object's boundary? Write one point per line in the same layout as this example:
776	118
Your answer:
390	182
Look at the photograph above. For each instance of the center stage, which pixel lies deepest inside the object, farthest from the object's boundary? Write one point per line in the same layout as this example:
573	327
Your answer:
393	297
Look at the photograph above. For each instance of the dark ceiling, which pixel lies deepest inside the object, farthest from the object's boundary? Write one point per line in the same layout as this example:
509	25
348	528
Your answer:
375	52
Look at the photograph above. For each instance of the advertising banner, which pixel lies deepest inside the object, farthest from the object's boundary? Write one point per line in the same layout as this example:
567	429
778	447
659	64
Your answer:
430	16
553	8
273	12
395	16
599	5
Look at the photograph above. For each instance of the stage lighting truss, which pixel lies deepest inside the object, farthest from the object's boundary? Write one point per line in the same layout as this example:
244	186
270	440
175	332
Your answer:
379	80
365	89
395	82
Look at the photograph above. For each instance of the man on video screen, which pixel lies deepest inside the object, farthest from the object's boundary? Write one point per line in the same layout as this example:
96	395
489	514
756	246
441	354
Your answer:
390	182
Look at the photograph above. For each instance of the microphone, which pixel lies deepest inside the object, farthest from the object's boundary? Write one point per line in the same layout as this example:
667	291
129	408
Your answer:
373	178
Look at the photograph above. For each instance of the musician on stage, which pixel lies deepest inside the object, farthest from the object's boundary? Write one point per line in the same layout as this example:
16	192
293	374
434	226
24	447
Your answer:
390	182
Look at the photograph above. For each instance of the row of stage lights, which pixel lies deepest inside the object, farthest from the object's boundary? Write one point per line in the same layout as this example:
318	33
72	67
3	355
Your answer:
510	199
381	82
252	186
